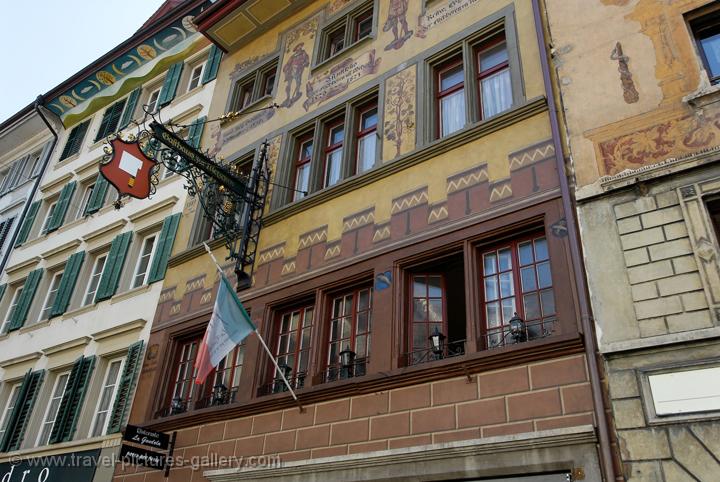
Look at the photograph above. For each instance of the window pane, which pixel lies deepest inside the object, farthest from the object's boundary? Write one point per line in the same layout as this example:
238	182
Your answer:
711	48
434	286
532	306
489	262
305	342
544	277
526	254
496	93
548	302
541	250
419	286
508	309
420	309
505	259
364	300
303	181
506	285
307	321
452	77
366	152
360	343
491	288
332	167
452	111
368	119
363	325
528	279
337	134
346	327
306	150
493	57
492	312
420	336
435	310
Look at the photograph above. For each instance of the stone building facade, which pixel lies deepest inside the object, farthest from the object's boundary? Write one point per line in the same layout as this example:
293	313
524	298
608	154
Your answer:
412	145
639	97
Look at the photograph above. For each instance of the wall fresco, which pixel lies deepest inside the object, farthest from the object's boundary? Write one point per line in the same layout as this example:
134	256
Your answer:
630	93
397	23
338	78
244	67
435	16
399	113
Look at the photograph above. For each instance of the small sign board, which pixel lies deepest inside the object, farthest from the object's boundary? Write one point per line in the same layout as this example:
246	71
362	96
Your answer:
147	438
129	169
141	456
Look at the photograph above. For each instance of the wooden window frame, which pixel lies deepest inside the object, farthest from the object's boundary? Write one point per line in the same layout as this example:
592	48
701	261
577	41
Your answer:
478	50
86	292
7	408
411	309
255	84
348	25
175	370
355	293
46	412
329	149
17	293
47	302
108	413
513	243
151	256
439	70
361	133
302	309
298	162
201	68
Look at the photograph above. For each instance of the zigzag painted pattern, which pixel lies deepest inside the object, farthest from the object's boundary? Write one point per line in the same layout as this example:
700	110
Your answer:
167	295
175	309
288	268
524	158
195	284
381	232
500	191
271	254
470	179
437	213
312	238
409	201
357	221
206	297
332	251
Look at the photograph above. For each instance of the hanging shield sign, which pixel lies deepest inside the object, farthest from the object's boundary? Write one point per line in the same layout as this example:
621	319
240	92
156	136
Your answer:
129	169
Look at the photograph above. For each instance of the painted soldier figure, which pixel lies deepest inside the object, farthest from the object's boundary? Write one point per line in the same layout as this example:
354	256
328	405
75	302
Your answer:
397	12
293	70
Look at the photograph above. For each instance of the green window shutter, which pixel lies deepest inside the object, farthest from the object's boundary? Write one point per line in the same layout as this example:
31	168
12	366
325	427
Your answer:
27	223
18	420
127	116
164	248
123	399
167	93
61	207
110	120
212	65
74	140
67	284
195	132
97	197
113	267
19	315
71	404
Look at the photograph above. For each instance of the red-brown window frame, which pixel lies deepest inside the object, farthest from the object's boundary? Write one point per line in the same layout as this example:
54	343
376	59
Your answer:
300	162
483	74
355	292
332	147
411	309
277	326
513	243
358	20
360	132
175	369
440	94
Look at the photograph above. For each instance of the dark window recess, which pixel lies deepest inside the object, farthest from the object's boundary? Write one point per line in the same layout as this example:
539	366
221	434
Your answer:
110	120
437	320
5	227
707	35
518	303
713	207
254	86
346	31
75	140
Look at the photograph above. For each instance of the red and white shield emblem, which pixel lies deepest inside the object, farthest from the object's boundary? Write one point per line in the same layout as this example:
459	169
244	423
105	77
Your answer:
128	169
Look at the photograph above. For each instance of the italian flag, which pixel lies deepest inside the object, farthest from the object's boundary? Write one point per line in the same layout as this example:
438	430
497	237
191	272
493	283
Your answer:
229	325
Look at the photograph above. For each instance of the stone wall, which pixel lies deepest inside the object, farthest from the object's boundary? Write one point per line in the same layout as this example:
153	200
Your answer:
526	398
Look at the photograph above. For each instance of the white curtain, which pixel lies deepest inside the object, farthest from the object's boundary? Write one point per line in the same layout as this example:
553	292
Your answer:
496	93
366	152
332	167
453	112
302	182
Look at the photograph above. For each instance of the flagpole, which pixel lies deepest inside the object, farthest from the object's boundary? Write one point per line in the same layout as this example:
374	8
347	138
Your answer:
262	342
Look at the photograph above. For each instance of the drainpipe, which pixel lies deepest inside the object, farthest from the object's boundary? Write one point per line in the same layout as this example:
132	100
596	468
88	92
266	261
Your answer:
575	252
38	102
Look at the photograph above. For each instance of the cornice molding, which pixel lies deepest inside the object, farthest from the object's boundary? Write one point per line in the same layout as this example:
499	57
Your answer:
133	325
56	183
68	345
20	359
115	226
10	270
153	208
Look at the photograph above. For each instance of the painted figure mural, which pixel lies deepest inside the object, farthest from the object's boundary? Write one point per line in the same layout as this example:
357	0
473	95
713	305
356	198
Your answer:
293	70
397	22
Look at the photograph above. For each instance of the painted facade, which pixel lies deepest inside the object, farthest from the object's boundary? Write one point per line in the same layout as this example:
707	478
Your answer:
84	277
640	104
426	202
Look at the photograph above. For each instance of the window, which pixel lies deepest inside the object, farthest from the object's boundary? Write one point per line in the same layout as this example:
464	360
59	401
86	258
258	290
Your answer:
195	77
366	138
350	323
152	102
111	119
9	406
32	165
51	295
184	384
11	308
75	140
52	408
13	176
107	397
437	307
254	86
485	86
292	347
451	97
707	36
493	76
517	281
346	31
333	153
94	281
222	385
302	167
82	207
143	265
48	217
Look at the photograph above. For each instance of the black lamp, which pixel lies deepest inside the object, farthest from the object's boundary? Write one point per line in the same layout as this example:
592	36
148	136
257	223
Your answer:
437	340
176	405
219	392
347	360
517	328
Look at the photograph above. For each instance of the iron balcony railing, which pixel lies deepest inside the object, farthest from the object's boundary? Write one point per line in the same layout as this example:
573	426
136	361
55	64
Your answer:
220	395
278	385
504	336
339	372
447	350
